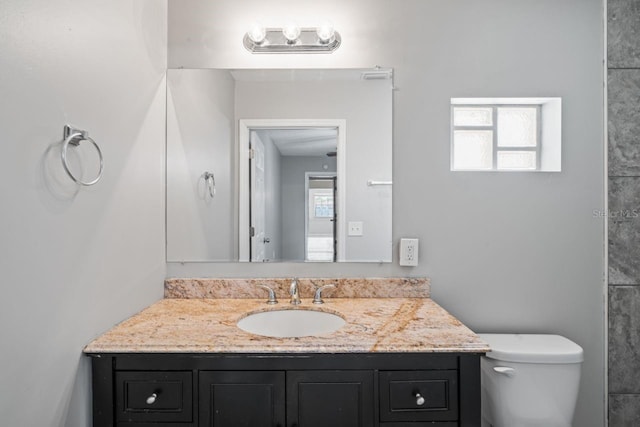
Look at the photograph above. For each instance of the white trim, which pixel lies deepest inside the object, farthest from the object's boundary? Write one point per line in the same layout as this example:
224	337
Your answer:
500	101
245	126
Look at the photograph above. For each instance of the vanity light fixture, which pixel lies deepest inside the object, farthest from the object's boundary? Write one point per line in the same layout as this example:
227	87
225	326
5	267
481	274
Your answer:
291	32
325	32
257	33
292	39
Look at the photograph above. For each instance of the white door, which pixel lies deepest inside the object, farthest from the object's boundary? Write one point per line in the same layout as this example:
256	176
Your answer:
258	200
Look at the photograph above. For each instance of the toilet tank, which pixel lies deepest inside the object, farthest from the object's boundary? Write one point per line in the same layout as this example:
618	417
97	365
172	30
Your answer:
530	380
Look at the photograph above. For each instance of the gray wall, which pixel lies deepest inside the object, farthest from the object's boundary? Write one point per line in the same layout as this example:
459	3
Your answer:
624	210
200	137
366	107
75	261
292	174
506	252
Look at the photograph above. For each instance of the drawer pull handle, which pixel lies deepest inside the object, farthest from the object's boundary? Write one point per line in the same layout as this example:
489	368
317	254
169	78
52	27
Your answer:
152	399
419	399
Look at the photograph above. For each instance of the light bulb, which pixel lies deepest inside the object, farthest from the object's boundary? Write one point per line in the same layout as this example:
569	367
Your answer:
257	33
291	32
325	32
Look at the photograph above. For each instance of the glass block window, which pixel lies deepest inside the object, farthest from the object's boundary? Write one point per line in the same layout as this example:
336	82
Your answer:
495	137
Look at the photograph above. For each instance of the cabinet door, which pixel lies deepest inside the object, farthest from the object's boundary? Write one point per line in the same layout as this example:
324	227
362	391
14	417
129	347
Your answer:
330	398
242	398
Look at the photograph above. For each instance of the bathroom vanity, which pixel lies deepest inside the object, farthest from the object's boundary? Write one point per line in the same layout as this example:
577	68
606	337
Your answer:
400	360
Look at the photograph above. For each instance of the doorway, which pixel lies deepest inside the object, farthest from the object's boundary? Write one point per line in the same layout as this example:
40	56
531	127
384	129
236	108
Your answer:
320	219
263	174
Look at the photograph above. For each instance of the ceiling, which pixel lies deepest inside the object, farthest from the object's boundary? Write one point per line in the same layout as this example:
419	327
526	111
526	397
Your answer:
302	142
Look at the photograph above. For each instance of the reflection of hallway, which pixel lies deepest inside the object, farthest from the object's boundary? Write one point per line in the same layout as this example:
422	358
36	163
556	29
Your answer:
320	222
300	164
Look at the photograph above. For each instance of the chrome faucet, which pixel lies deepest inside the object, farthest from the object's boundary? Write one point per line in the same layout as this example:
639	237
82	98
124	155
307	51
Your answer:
294	292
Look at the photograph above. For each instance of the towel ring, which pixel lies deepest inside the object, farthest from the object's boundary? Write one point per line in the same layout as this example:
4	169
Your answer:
74	137
210	180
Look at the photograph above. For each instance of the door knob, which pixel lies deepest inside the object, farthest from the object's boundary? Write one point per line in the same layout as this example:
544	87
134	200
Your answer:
419	399
152	399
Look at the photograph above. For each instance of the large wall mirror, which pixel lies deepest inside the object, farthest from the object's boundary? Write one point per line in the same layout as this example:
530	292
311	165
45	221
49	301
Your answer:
279	165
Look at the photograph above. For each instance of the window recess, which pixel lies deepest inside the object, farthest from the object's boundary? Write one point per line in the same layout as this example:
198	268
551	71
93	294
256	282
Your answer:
505	134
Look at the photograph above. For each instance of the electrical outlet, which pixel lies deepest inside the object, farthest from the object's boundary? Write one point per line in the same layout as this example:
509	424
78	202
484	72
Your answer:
409	252
355	228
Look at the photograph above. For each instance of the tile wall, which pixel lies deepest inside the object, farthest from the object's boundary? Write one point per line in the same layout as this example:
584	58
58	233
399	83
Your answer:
623	51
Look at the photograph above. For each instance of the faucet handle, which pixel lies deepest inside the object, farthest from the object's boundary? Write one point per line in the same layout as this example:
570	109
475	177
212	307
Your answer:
272	295
317	298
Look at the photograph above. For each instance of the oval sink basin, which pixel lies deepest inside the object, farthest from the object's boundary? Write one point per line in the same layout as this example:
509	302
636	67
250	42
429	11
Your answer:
291	323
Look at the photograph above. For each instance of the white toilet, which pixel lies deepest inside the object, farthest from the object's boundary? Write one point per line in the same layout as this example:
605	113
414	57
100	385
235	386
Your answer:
529	380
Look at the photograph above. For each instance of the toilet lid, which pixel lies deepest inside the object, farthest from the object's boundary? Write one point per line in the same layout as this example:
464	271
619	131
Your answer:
529	348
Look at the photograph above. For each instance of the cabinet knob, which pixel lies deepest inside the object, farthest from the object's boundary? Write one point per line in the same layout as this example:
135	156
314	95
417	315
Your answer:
419	399
151	399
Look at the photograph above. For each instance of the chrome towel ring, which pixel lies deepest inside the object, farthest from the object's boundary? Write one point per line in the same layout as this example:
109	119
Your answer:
75	137
210	180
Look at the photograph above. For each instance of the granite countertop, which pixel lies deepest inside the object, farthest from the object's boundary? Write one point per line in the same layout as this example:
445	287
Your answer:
208	325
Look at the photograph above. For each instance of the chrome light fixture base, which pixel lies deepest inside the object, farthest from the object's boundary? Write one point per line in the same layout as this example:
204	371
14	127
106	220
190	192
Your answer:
307	42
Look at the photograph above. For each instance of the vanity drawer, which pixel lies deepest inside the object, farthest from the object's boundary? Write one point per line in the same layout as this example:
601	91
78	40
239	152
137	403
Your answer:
154	396
437	400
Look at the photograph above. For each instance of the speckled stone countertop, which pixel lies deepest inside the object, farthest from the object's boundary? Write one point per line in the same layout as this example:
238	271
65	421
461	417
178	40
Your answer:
208	325
388	287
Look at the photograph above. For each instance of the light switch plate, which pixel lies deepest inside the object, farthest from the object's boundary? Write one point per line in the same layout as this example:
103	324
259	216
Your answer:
409	252
355	228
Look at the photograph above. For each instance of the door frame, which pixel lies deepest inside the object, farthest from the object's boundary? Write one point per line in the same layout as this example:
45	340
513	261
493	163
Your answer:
245	126
307	177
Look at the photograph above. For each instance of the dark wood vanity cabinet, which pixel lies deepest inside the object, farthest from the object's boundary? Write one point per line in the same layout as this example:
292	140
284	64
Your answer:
311	398
242	398
286	390
330	398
